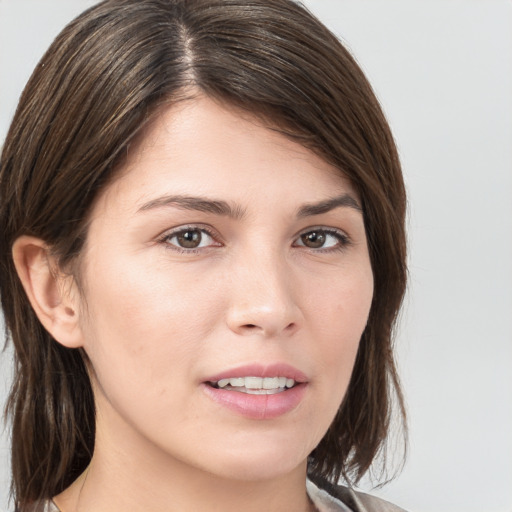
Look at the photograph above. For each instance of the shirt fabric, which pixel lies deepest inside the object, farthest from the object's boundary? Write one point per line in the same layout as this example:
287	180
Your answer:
328	497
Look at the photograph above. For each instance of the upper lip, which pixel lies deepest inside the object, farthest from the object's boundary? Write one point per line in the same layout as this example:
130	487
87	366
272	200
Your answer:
261	370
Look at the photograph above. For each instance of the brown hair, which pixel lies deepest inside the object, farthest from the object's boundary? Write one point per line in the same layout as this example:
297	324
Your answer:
101	81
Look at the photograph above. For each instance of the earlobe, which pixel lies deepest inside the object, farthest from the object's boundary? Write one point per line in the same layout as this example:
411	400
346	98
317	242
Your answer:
52	294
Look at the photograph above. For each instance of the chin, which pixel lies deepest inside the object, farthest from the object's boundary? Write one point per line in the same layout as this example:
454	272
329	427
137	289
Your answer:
259	464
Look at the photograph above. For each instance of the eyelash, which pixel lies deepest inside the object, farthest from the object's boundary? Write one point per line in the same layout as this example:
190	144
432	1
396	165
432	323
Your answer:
166	237
343	239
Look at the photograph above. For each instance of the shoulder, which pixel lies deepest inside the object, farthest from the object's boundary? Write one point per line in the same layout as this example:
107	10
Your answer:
338	498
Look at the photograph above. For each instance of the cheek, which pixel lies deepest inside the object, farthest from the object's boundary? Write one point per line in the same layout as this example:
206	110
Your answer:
341	307
144	323
341	314
119	322
141	295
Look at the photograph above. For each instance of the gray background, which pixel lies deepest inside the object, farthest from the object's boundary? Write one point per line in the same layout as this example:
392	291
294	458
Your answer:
443	71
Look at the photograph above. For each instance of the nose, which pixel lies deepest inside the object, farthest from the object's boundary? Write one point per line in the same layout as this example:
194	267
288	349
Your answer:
263	300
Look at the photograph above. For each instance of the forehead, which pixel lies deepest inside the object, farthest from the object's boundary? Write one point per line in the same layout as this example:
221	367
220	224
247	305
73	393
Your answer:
206	147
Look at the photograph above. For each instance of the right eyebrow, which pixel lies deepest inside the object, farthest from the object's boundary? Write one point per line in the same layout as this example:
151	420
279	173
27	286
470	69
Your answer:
200	204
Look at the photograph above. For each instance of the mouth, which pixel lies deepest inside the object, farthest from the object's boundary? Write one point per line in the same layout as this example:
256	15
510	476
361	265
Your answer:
258	392
254	385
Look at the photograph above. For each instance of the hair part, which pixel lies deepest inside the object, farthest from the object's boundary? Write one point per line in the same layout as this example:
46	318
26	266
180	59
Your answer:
105	77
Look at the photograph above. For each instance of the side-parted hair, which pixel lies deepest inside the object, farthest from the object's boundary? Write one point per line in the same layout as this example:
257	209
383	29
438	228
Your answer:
106	76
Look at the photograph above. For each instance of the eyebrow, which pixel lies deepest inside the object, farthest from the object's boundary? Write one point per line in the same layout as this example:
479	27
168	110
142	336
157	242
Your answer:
200	204
220	207
345	200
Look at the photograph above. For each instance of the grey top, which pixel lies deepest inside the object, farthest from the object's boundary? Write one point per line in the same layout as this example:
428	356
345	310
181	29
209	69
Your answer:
338	498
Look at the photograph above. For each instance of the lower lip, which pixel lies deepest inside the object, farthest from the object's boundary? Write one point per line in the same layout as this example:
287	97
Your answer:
258	407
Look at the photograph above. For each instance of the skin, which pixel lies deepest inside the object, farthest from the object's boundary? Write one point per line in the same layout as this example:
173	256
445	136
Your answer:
156	320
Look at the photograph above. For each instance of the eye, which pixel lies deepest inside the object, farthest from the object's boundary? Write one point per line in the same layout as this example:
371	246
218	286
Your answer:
322	238
190	238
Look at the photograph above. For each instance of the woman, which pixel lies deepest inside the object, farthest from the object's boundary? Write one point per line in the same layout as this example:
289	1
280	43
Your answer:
203	256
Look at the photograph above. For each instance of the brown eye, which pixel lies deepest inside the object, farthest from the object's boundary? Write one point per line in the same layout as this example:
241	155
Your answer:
327	239
190	238
313	239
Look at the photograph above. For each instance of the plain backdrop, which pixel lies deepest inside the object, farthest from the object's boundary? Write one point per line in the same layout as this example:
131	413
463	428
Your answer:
443	72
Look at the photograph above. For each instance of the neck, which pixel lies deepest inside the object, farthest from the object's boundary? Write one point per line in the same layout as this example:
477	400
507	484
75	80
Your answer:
106	488
125	474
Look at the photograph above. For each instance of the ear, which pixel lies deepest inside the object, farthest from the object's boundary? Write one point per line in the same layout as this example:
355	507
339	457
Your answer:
52	294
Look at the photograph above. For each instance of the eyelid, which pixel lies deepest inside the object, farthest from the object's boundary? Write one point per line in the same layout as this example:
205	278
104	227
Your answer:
344	239
169	233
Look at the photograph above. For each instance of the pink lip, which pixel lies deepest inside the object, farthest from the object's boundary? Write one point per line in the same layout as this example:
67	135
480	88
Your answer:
259	407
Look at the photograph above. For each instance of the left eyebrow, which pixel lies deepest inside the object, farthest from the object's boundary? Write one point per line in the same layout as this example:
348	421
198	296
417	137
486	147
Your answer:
345	200
201	204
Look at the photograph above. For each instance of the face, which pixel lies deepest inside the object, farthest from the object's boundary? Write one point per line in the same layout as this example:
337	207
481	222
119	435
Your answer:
226	285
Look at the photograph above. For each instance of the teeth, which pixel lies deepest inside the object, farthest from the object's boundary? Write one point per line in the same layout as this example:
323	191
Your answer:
270	383
257	383
254	382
